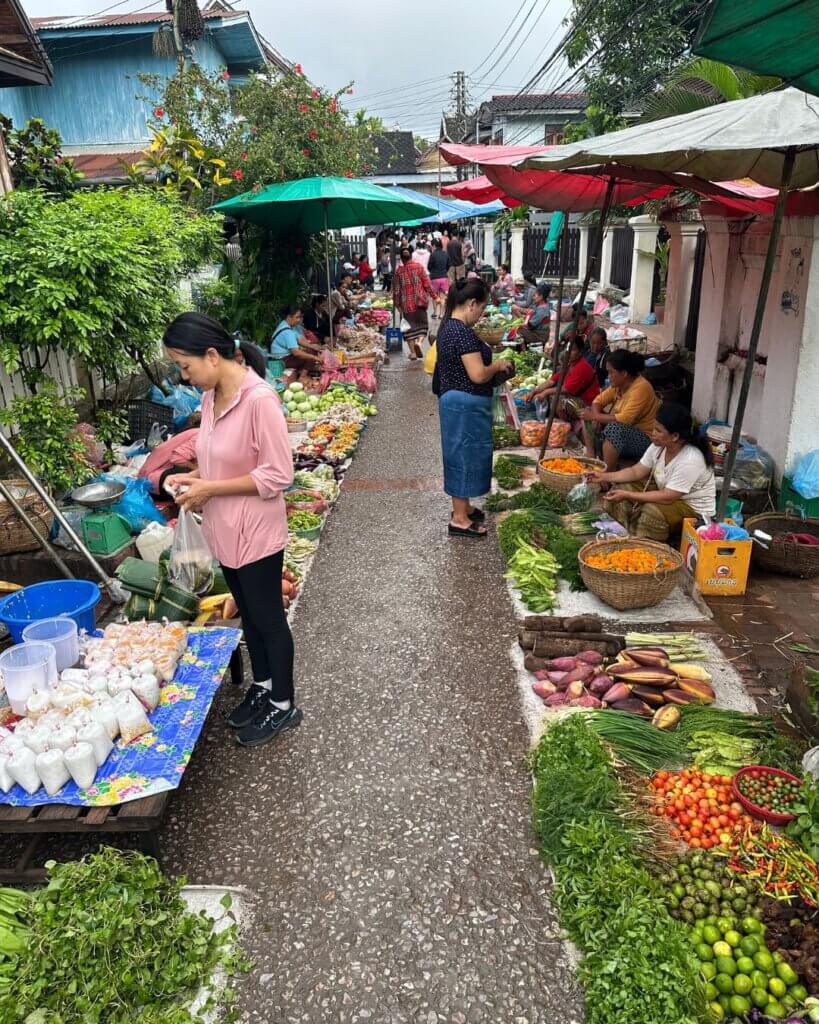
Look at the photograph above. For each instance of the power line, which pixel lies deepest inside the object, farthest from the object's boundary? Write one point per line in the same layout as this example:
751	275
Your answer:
498	41
512	40
403	88
494	85
84	49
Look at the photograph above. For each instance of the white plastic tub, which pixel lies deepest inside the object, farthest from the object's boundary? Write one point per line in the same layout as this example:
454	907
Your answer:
62	634
27	667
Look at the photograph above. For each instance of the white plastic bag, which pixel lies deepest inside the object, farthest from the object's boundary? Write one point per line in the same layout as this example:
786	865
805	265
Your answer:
22	766
62	736
38	703
52	770
80	761
191	563
146	689
97	735
104	712
6	781
39	739
131	716
810	762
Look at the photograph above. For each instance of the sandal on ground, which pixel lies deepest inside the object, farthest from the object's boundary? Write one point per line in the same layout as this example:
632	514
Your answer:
466	531
477	515
419	352
412	357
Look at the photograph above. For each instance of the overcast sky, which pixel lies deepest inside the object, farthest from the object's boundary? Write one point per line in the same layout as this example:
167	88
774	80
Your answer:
399	54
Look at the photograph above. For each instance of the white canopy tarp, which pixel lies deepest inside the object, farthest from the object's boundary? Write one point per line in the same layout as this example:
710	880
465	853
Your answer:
741	139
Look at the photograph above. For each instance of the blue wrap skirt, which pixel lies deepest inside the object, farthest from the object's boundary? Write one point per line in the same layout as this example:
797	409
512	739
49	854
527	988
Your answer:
466	443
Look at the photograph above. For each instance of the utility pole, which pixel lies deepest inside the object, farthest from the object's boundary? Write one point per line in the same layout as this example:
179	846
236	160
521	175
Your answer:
459	101
174	7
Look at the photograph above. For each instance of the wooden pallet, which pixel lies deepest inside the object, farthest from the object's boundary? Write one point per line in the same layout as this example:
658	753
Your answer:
142	817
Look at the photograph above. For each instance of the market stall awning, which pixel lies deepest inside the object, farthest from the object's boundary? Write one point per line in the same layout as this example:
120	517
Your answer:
478	190
442	210
767	37
742	139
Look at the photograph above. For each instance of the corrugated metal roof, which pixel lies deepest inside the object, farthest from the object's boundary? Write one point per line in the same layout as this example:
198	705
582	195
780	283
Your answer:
21	49
538	101
115	20
104	166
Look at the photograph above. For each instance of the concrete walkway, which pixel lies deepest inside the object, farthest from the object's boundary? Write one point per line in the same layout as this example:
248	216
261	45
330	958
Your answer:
388	839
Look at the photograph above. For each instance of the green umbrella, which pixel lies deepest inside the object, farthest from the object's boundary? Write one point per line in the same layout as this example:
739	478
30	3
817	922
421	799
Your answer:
318	204
768	37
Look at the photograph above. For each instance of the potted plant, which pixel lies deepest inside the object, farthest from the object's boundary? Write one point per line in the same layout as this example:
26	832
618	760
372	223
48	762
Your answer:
662	254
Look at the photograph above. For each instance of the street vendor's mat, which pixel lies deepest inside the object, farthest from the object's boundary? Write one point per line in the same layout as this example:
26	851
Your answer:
155	762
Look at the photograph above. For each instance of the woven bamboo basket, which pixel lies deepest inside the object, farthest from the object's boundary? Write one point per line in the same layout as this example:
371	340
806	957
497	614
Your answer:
783	556
15	537
624	590
564	482
491	335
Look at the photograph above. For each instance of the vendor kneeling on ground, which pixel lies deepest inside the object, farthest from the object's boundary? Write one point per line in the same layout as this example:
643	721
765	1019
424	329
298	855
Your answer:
682	484
288	344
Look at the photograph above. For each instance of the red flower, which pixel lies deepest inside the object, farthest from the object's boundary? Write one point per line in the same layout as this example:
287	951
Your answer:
302	108
243	156
348	174
333	106
366	167
305	152
159	112
225	75
350	92
313	133
299	69
315	94
238	175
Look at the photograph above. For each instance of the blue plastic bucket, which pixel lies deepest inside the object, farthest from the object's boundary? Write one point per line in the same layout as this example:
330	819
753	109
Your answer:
75	598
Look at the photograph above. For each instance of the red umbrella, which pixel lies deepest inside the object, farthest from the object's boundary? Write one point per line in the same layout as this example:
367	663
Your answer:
478	190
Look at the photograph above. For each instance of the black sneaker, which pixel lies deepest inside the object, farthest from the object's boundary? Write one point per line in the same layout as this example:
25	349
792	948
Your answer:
254	702
269	724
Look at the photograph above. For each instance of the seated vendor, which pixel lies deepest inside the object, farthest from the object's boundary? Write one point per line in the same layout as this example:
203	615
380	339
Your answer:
526	300
289	345
580	384
535	331
624	413
317	317
674	480
598	352
341	298
504	287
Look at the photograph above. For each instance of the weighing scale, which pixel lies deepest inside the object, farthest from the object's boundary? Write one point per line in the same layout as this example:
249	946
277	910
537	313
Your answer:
105	532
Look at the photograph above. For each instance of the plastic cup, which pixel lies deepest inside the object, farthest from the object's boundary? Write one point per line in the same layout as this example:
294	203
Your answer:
27	667
62	634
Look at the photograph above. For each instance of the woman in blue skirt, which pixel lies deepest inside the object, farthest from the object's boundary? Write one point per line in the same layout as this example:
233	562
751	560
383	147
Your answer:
465	375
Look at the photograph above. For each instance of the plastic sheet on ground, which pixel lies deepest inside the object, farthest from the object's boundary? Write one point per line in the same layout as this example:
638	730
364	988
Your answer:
155	762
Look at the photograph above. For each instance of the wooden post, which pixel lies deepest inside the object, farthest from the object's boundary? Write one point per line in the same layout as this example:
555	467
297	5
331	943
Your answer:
756	329
564	259
598	243
6	180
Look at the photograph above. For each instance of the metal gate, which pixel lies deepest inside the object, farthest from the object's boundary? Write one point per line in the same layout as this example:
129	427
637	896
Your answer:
692	323
547	264
621	252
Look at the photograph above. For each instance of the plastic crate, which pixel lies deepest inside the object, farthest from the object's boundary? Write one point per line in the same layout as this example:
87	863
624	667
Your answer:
394	339
142	415
788	495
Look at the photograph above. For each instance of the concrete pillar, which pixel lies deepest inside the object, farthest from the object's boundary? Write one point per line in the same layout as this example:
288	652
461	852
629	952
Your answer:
516	268
714	278
683	247
489	244
583	252
606	255
642	265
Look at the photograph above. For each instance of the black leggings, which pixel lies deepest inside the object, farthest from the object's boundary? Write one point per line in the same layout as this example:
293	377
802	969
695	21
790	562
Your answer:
257	589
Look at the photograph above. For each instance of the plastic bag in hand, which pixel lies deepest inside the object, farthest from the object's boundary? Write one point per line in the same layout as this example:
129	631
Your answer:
191	563
580	498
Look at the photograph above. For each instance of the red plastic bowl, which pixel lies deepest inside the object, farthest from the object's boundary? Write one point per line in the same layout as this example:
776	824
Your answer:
772	817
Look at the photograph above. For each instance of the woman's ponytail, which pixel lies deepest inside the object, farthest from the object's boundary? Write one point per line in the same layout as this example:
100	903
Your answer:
462	291
677	420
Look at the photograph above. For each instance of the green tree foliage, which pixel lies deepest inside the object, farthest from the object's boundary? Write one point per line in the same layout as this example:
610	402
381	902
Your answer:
96	276
698	83
35	157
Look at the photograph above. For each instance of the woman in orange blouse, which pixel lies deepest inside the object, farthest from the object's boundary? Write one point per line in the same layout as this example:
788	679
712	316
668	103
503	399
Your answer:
624	412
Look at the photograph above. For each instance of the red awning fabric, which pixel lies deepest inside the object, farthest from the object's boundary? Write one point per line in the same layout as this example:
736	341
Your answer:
478	190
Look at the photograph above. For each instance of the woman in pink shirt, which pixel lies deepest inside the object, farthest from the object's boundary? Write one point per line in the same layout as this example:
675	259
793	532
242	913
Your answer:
244	466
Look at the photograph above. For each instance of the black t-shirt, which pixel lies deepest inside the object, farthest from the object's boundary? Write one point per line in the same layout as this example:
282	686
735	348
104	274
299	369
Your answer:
438	264
454	340
455	251
318	324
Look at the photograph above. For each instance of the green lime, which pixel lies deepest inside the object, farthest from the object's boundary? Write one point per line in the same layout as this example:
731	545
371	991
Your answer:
742	984
711	992
749	945
724	983
709	971
777	987
775	1010
725	924
725	1003
745	965
759	979
777	957
678	890
740	1005
759	997
750	925
799	993
764	961
733	938
712	934
788	1002
716	1011
787	974
722	949
704	951
725	965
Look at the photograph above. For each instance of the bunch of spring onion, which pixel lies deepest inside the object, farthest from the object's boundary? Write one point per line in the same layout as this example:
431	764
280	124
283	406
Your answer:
682	647
580	523
637	742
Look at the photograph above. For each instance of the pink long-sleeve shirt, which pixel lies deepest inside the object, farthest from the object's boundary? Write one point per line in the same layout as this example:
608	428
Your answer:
249	437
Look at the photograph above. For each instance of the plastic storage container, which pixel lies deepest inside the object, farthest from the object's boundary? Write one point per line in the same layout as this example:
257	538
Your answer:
27	667
153	540
75	598
63	636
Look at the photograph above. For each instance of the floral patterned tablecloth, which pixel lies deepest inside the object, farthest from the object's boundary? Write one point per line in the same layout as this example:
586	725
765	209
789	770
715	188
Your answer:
155	762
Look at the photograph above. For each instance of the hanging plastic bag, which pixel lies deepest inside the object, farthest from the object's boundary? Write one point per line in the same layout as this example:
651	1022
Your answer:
431	358
754	468
156	435
191	563
580	498
806	476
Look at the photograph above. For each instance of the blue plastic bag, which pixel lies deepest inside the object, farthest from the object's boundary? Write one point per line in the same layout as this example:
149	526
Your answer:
135	505
806	477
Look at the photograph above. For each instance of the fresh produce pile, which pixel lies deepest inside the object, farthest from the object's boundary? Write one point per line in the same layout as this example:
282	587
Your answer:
805	827
14	934
630	560
701	806
533	572
110	939
302	521
373	317
346	394
567	466
768	790
536	494
778	864
505	437
526	537
299	405
508	469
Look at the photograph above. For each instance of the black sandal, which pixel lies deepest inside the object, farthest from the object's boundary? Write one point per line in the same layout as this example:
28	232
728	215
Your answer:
466	531
477	515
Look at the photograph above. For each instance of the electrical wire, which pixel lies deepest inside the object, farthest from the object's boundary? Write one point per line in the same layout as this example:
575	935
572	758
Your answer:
71	22
476	69
494	85
83	49
506	49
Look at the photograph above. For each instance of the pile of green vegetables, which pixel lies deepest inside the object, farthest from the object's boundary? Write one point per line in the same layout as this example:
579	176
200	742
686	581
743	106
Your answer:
111	941
303	521
637	965
505	437
14	915
537	494
533	571
508	470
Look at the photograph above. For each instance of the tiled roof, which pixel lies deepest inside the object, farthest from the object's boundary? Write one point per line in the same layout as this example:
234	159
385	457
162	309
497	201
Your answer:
454	127
396	153
104	166
23	58
538	101
114	20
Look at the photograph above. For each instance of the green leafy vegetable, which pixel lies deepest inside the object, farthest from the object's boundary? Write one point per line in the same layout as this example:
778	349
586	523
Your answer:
805	828
721	753
505	437
639	743
534	571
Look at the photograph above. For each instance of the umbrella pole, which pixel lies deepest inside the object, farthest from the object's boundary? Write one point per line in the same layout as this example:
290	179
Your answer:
327	269
564	367
564	259
756	329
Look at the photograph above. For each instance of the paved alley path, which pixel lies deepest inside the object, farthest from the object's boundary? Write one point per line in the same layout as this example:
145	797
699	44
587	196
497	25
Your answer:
387	840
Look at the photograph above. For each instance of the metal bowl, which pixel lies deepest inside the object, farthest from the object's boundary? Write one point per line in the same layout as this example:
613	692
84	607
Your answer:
98	495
